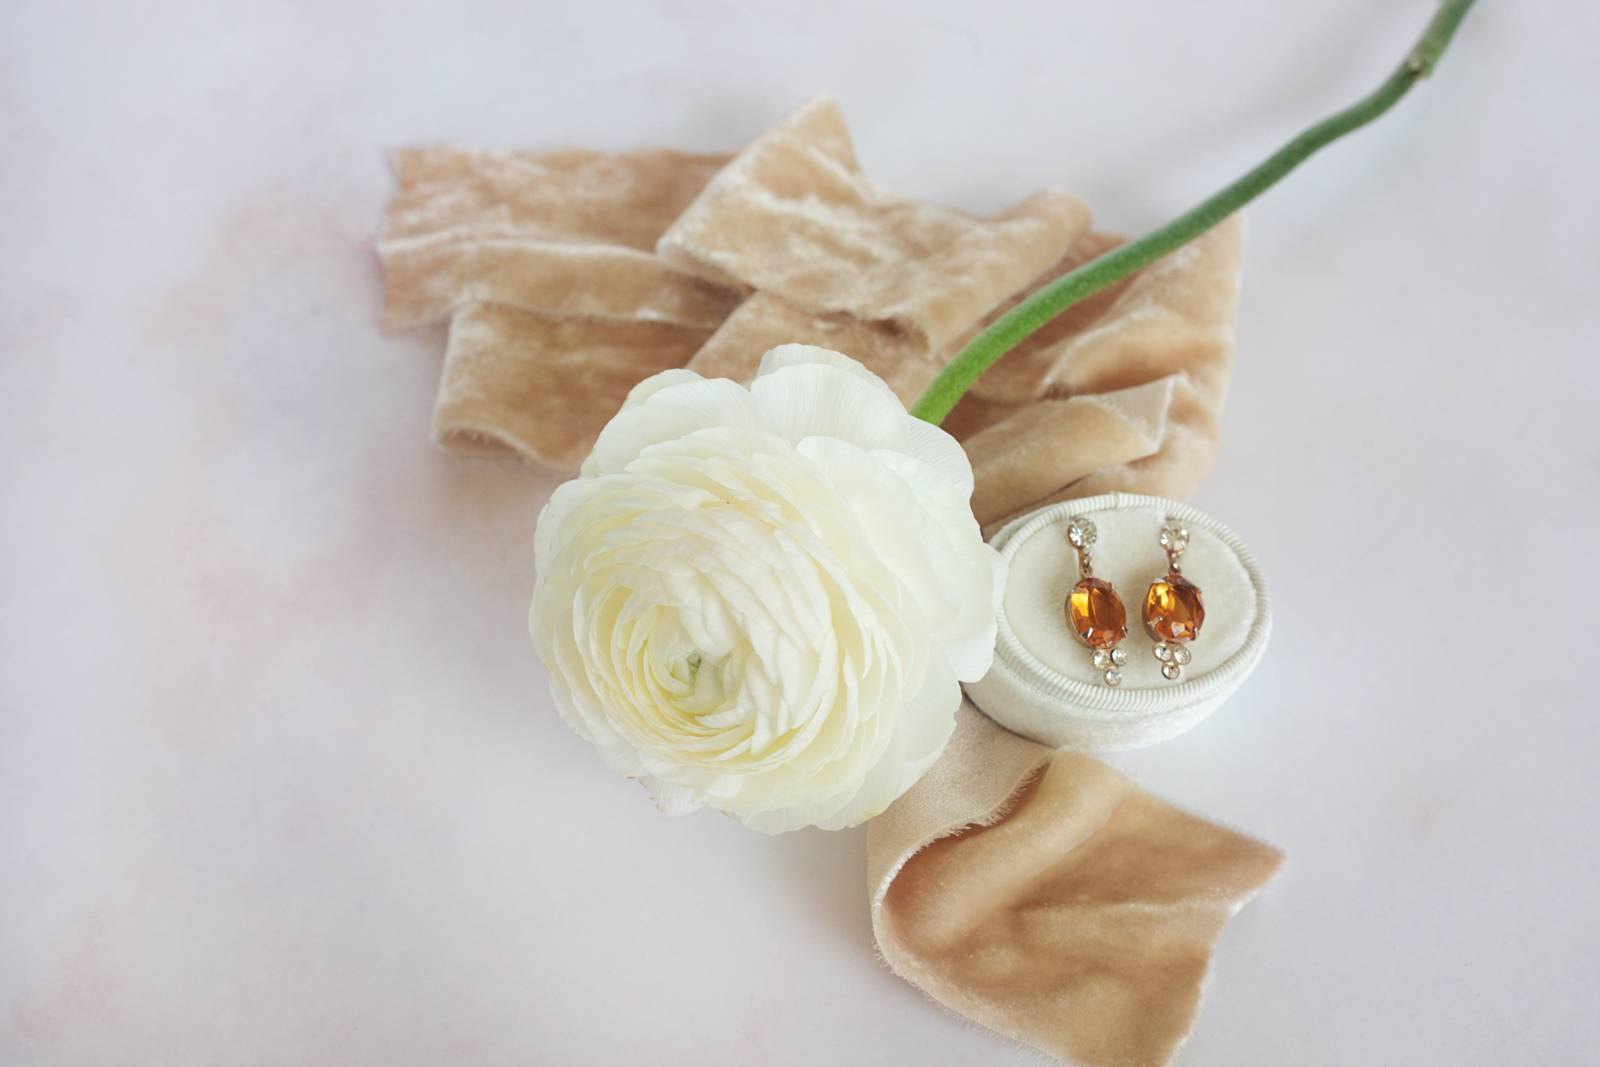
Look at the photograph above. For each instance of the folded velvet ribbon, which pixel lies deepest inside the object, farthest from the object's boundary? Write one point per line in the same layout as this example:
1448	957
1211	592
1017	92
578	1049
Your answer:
1037	892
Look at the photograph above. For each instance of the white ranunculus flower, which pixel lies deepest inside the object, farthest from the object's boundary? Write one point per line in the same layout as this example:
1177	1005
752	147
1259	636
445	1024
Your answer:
760	600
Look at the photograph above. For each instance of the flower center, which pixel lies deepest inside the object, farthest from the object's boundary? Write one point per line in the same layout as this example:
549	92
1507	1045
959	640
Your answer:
686	669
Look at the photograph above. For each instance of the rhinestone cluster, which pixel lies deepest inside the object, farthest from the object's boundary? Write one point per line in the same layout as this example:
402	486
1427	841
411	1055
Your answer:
1173	659
1107	661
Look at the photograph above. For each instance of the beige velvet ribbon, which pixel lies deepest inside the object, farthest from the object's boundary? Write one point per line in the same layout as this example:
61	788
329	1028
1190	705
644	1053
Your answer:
1039	893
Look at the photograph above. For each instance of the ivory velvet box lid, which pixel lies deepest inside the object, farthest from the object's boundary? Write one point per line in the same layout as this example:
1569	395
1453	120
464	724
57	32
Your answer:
1044	685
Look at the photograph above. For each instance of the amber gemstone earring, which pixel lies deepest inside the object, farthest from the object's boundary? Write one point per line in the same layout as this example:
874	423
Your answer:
1094	610
1173	610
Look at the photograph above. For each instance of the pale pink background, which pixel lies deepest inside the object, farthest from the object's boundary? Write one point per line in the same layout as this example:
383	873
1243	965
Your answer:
279	779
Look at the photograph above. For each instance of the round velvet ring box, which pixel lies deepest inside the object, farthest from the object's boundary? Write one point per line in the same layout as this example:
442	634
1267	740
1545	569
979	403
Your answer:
1044	685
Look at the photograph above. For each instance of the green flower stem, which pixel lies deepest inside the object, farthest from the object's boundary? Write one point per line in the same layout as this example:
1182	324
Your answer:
1006	332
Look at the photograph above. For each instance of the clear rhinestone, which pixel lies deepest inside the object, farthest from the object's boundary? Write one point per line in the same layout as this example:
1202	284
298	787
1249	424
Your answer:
1113	677
1081	532
1102	659
1118	656
1163	653
1174	538
1171	671
1181	656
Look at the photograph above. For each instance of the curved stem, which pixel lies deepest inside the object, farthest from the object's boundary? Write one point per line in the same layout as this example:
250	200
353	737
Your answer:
1011	328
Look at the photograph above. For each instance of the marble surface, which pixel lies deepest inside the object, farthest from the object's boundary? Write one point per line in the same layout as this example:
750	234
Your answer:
279	780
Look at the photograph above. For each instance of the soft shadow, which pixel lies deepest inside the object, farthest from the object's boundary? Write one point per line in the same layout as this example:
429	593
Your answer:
828	870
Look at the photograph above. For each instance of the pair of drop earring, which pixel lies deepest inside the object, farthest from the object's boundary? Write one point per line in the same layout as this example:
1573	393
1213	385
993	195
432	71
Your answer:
1173	610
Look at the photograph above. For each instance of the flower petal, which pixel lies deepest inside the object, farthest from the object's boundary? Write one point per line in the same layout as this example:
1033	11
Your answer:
760	601
821	400
795	355
667	412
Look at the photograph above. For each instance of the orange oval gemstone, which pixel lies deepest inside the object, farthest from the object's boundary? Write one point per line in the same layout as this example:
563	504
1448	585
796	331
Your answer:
1173	610
1095	611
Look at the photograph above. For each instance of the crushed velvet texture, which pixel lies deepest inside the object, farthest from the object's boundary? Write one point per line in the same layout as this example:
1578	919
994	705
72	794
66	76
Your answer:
1038	893
1052	900
794	218
566	274
544	264
510	377
566	233
1122	393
